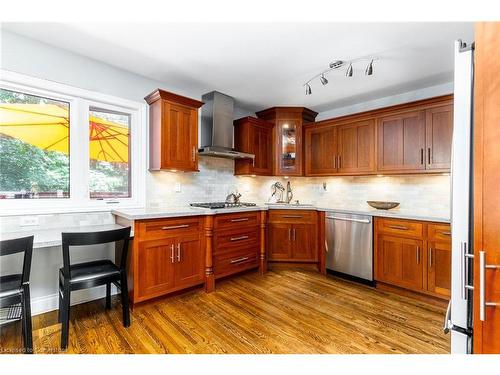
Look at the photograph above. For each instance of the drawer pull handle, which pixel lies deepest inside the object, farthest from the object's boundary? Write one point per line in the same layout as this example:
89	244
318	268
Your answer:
239	238
445	233
239	260
241	219
175	227
292	216
398	227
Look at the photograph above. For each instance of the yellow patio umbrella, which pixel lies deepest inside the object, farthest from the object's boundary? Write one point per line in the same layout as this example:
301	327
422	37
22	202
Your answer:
47	126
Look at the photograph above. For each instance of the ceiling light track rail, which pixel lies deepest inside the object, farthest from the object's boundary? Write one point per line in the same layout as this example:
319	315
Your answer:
337	64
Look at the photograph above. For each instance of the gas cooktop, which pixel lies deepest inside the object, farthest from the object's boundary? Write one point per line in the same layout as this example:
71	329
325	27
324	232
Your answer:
216	205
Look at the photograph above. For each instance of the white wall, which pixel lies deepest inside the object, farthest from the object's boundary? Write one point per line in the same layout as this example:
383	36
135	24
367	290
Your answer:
411	96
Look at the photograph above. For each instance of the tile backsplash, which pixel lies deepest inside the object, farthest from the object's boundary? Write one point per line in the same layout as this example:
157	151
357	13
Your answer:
215	180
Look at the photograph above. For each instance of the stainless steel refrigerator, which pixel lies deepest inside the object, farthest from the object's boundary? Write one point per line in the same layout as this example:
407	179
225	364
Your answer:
458	319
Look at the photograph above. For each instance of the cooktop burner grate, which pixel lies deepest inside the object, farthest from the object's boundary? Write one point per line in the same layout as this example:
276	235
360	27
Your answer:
216	205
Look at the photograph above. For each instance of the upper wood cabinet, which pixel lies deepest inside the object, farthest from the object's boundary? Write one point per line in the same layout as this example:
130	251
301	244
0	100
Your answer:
401	142
320	150
356	147
438	136
254	136
407	138
287	136
173	135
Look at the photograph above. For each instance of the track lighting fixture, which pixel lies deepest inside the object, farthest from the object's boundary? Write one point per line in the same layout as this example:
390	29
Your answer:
369	68
348	72
337	64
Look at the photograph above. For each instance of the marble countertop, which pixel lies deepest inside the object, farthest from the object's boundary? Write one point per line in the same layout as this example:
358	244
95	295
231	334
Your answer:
402	213
52	237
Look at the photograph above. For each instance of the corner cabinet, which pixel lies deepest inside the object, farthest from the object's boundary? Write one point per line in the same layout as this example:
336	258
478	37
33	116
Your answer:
293	236
287	135
173	132
254	136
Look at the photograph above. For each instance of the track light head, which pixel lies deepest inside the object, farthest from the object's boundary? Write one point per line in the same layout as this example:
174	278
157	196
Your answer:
308	89
348	72
369	68
323	80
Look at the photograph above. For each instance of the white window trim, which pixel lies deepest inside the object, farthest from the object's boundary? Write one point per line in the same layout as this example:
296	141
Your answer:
79	100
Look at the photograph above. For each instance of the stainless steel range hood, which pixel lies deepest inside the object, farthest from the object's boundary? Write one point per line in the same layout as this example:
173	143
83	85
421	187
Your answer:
217	127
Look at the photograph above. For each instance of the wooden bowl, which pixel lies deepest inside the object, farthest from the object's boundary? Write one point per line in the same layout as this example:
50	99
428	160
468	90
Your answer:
382	205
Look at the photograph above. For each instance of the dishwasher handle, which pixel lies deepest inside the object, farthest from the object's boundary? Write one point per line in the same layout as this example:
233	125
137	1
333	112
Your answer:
364	221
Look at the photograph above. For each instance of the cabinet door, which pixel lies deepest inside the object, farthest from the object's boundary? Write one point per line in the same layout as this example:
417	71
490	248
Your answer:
321	151
438	135
289	155
262	138
156	267
439	268
189	261
179	137
304	240
356	147
401	142
279	242
399	262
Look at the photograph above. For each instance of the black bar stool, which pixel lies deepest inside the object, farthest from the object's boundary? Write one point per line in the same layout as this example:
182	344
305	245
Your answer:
15	288
91	274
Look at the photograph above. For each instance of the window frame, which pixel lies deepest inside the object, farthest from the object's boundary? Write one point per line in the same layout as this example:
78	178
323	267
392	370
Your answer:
80	101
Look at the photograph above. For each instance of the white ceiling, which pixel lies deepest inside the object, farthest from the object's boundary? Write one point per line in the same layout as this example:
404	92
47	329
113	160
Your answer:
266	64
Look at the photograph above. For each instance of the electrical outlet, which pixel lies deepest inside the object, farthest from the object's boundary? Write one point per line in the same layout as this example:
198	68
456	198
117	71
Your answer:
28	221
178	187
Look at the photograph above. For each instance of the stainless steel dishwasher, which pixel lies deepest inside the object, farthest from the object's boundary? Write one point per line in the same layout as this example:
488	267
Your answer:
349	244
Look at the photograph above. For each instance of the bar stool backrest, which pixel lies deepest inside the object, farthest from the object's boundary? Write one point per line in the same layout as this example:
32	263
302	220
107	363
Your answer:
19	245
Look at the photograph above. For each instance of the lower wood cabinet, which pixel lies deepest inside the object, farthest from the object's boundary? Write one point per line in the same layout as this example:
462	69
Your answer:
293	236
413	255
167	255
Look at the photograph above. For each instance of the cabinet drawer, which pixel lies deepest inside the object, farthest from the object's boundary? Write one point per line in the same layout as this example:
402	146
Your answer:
230	239
439	233
165	228
237	220
293	216
236	261
400	227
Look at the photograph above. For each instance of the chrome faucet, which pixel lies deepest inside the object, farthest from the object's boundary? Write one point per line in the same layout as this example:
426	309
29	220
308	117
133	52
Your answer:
289	193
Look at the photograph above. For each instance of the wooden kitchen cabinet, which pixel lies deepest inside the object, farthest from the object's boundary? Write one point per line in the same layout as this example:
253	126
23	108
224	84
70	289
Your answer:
401	142
356	147
287	135
413	255
438	136
166	255
156	276
293	236
320	150
173	134
254	136
400	261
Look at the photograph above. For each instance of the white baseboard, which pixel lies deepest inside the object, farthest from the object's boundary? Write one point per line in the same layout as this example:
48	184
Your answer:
40	305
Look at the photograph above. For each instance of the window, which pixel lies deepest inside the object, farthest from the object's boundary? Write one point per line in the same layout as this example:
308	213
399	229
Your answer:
109	154
34	146
64	149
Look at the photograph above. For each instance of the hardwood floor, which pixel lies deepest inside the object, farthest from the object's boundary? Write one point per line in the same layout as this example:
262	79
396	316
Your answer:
285	311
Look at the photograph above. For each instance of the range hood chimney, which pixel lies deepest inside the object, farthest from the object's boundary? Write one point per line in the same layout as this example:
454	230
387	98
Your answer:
217	127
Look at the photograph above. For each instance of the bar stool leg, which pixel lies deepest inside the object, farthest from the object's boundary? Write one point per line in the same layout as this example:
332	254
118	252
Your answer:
61	302
27	325
108	296
65	317
124	296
